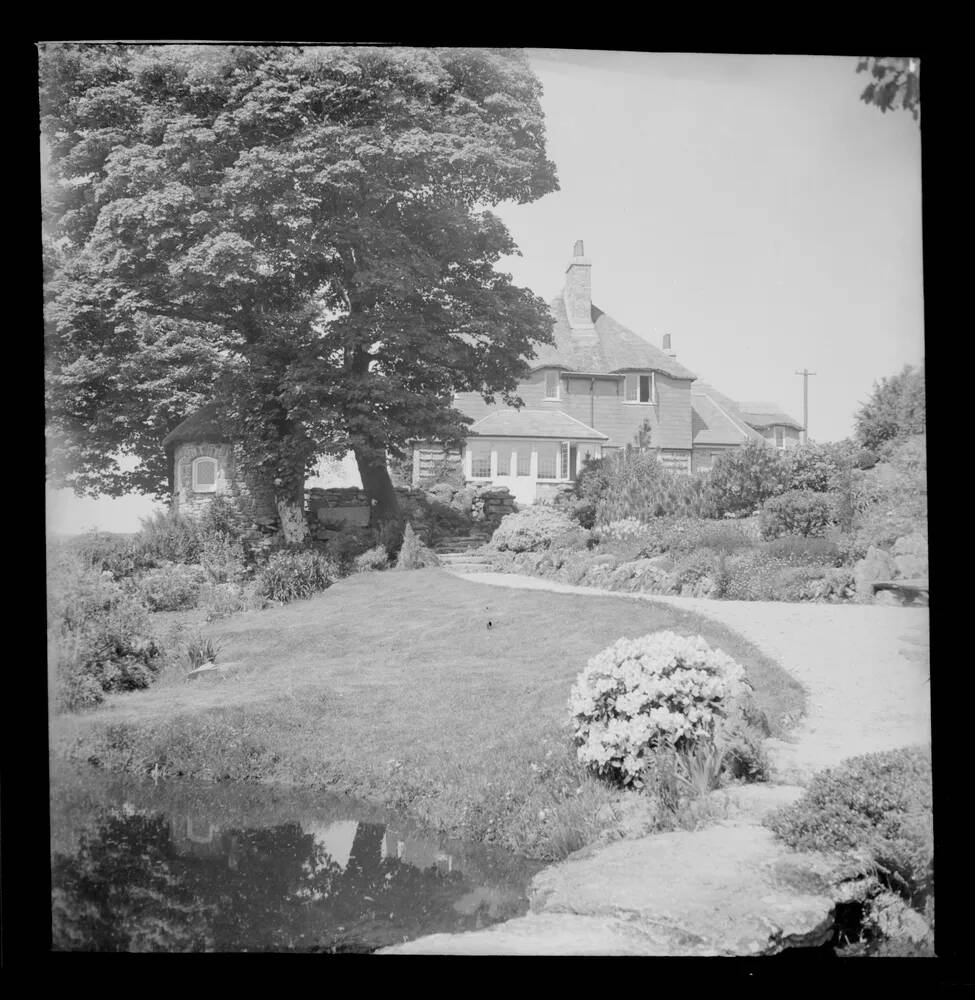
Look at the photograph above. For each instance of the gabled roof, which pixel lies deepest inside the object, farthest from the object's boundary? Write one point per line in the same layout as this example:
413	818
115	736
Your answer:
767	415
715	418
535	424
607	346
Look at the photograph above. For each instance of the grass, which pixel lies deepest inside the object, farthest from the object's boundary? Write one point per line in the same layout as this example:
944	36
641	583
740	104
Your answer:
418	690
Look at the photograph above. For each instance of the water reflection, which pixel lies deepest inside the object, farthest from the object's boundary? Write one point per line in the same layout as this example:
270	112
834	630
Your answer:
143	879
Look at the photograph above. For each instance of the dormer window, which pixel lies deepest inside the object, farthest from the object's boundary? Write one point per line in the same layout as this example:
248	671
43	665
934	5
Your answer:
205	475
641	388
552	385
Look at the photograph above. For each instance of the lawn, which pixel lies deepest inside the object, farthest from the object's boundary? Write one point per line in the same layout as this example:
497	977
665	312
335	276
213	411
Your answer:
417	689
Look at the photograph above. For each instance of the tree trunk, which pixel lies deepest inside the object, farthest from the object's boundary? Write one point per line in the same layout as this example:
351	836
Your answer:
294	527
378	487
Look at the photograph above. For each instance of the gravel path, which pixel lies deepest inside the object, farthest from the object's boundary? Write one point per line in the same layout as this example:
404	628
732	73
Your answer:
864	667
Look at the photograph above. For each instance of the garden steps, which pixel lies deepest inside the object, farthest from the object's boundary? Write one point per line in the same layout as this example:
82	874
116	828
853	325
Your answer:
465	562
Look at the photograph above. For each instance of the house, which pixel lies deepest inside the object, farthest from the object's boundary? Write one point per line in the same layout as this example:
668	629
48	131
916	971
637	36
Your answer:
590	393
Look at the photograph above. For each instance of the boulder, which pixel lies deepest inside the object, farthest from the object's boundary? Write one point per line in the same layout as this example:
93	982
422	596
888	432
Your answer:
875	565
888	599
463	500
729	890
442	492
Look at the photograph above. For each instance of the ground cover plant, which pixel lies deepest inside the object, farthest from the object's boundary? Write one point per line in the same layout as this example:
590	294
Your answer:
877	809
420	690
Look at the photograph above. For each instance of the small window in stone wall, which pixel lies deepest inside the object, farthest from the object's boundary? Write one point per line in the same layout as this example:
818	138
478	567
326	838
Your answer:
204	475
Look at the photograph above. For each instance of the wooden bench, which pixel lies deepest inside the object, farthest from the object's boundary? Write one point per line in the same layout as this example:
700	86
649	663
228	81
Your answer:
908	589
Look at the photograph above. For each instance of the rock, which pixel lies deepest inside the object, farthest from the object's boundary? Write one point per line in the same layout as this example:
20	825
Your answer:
463	501
537	934
442	492
888	599
729	889
875	565
914	544
753	802
911	567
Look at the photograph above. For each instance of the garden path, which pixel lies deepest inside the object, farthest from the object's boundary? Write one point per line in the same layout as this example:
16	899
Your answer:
865	669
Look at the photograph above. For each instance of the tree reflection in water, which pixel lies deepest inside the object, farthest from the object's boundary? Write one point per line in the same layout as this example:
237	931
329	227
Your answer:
141	882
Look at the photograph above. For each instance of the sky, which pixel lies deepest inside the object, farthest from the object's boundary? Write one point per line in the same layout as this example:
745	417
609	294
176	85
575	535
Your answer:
751	206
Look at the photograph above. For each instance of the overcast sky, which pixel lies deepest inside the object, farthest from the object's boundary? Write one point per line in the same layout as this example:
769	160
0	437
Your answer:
750	206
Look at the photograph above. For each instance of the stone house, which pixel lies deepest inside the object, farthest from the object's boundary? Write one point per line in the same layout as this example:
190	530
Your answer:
204	463
590	393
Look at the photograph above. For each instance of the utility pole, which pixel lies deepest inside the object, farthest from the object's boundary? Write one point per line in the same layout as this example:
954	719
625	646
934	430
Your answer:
805	404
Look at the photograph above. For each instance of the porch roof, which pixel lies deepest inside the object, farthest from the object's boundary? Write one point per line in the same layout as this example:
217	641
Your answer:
535	424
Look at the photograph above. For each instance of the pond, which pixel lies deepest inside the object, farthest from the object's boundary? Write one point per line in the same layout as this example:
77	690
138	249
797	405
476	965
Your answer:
190	866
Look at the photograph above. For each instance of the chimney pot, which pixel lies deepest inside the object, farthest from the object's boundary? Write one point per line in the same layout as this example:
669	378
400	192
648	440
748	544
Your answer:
578	250
666	341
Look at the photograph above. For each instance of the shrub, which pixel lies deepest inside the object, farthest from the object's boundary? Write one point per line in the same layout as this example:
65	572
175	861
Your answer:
741	479
374	558
290	575
532	529
166	537
818	467
891	498
105	552
799	550
895	410
100	635
223	558
693	567
798	512
639	694
171	588
221	599
879	804
345	548
413	554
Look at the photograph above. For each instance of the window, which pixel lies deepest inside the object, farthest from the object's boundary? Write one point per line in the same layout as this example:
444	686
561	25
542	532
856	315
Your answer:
546	460
779	437
524	461
504	459
564	460
551	385
480	461
641	388
204	475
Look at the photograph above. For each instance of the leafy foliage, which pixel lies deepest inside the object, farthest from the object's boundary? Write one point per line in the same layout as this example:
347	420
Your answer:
798	512
894	411
290	575
895	84
302	235
741	479
413	554
100	635
374	558
171	588
634	484
532	529
879	804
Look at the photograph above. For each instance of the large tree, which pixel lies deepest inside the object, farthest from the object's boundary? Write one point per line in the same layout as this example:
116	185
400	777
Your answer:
895	83
894	411
301	235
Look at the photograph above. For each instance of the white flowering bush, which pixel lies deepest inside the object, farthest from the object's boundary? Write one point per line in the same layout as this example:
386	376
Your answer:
661	689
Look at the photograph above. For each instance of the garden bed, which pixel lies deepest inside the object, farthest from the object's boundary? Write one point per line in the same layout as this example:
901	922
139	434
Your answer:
412	689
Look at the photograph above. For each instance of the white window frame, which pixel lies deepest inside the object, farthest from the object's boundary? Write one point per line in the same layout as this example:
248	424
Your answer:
199	487
636	376
558	383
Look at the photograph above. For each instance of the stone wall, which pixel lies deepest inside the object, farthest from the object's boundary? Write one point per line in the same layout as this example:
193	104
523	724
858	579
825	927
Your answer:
433	462
329	512
253	500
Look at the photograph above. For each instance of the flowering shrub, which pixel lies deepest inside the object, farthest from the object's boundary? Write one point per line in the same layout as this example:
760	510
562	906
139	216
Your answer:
532	529
662	689
678	535
798	512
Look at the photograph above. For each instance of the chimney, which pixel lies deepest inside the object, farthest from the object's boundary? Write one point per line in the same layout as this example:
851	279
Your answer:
578	289
666	347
